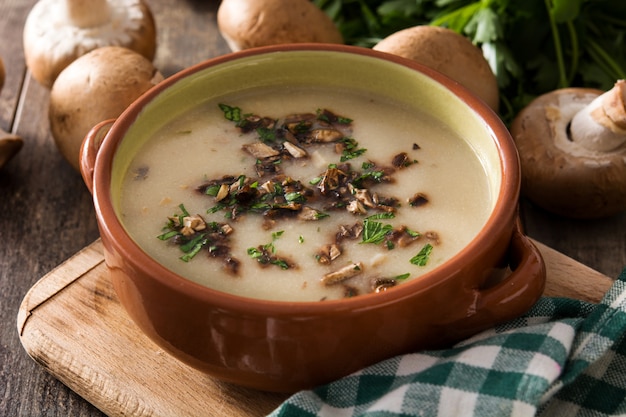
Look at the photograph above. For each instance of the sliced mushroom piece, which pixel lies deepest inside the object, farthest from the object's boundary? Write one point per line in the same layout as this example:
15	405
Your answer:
331	180
383	284
309	213
419	199
364	196
223	192
356	207
295	151
328	253
260	150
572	147
325	135
349	232
343	274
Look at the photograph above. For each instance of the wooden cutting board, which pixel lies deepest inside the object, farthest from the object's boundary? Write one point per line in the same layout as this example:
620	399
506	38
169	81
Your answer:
71	323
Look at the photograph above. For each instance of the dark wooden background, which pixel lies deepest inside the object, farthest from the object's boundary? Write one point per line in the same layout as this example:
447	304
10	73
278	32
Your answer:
46	213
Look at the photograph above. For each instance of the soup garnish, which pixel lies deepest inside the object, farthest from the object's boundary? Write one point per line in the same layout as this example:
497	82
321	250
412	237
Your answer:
267	197
278	197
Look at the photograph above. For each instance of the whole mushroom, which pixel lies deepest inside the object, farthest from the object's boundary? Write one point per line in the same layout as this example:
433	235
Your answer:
56	32
448	52
10	144
98	86
251	23
572	147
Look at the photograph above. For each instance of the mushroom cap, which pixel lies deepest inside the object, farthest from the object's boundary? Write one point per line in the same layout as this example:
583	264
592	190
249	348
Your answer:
448	52
559	174
251	23
52	42
97	86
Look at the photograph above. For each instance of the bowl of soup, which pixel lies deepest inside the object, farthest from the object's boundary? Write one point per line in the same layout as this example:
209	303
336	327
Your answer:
284	216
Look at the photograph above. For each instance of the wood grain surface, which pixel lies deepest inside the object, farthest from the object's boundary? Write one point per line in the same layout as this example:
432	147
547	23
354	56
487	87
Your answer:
46	213
73	325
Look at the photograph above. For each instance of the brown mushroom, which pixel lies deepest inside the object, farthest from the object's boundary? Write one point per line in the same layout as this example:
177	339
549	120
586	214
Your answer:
56	32
95	87
10	144
572	146
250	23
448	52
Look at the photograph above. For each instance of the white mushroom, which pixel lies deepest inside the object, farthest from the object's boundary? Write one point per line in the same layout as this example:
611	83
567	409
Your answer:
572	146
56	32
448	52
98	86
250	23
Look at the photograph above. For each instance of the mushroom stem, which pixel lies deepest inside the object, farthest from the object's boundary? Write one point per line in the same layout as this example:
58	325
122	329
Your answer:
601	125
88	13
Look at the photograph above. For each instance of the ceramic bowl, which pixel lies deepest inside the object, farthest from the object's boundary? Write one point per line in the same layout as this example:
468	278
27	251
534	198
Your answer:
288	346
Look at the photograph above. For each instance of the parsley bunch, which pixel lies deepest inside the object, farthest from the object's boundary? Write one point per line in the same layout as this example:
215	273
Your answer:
533	46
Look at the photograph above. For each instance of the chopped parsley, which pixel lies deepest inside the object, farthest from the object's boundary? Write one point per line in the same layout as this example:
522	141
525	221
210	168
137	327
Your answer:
231	113
421	259
351	149
374	231
266	254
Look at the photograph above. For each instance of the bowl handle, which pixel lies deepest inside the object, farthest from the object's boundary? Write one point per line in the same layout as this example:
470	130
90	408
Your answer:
512	296
89	150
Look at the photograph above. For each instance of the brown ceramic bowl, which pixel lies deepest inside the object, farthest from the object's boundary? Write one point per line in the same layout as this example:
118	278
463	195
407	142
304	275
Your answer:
287	346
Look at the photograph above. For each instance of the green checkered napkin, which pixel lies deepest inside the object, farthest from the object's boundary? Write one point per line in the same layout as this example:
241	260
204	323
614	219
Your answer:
563	358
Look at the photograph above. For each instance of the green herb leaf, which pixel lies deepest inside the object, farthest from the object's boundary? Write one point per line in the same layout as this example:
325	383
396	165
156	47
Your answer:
231	113
266	135
532	46
295	197
254	253
189	246
280	263
375	232
194	250
421	259
168	235
351	149
383	215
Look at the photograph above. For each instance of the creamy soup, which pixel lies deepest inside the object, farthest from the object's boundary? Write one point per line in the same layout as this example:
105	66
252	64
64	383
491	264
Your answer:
304	195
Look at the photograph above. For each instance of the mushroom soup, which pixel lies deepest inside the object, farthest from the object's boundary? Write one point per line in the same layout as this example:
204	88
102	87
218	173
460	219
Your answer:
306	195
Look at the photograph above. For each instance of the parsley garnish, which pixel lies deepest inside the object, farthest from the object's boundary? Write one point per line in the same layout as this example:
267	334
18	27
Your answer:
421	259
266	135
266	254
351	149
231	113
375	232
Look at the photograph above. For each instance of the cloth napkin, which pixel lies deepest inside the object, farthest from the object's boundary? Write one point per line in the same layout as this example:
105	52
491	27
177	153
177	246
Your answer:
564	357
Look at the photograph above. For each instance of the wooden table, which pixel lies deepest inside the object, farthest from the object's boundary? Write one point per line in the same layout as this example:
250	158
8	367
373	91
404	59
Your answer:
46	213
